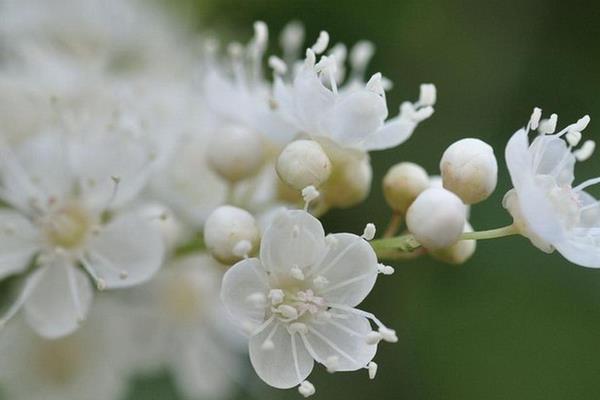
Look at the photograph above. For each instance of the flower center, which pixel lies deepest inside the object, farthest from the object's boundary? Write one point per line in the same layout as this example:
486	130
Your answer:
68	226
295	304
567	203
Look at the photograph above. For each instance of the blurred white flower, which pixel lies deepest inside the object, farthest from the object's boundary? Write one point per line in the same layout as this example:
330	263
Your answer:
545	205
297	301
176	323
64	195
89	364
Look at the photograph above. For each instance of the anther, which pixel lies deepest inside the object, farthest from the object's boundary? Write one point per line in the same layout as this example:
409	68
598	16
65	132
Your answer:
288	311
332	363
573	138
297	273
100	284
372	367
385	269
298	327
373	337
585	151
278	65
427	95
267	345
369	232
306	389
276	296
534	120
548	126
309	194
322	42
387	334
242	248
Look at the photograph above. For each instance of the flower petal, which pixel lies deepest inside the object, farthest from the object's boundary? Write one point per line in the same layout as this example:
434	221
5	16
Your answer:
583	251
294	239
355	116
552	156
342	337
350	269
395	132
18	242
536	208
311	100
286	363
60	300
245	279
126	252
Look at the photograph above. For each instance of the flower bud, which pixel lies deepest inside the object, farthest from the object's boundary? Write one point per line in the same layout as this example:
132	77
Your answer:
402	184
235	153
303	163
349	184
230	234
436	218
459	252
469	169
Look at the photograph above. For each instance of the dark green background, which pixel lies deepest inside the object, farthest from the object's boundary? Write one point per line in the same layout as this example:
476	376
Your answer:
513	323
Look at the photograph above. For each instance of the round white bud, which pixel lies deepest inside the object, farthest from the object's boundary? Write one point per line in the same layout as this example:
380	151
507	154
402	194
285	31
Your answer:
349	184
402	184
459	252
235	153
303	163
436	218
229	231
470	170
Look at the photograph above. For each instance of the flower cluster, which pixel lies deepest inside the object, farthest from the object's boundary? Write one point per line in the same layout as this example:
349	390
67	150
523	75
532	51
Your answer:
159	202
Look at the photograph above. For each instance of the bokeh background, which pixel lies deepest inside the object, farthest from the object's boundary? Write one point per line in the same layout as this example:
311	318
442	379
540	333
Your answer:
512	323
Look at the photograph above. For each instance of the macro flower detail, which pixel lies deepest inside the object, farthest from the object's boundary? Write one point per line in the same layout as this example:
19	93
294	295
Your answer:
297	301
64	221
545	205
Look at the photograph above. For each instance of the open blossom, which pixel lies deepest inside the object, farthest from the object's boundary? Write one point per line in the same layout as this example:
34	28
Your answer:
67	199
545	205
91	363
177	322
297	301
352	116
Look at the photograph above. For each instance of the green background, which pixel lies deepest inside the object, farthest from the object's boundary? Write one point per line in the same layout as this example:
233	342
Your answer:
512	323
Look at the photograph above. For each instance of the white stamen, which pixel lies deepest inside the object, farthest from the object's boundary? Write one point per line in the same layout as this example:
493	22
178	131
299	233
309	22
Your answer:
586	184
261	34
298	327
534	120
385	269
375	85
288	311
585	151
387	334
291	38
100	283
373	337
242	248
573	138
278	65
268	343
360	56
582	123
332	363
309	194
548	126
297	273
306	389
372	367
235	50
276	296
322	42
428	94
369	232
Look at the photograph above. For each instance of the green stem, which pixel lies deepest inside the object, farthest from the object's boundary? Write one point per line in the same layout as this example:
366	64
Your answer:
491	234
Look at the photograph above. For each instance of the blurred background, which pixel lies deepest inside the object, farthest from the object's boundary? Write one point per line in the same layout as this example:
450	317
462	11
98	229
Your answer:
513	323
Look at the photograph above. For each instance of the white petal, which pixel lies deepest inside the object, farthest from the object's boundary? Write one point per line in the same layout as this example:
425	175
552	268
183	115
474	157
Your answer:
294	239
581	251
101	161
552	156
126	252
241	284
350	268
18	242
355	116
312	100
535	207
278	366
343	337
395	132
60	300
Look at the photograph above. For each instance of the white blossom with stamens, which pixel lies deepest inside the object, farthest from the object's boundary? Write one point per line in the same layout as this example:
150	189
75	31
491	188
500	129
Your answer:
545	204
65	198
309	316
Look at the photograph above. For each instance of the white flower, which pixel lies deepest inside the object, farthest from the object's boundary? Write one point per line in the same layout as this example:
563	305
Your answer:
545	205
297	301
402	184
177	323
90	364
65	197
352	117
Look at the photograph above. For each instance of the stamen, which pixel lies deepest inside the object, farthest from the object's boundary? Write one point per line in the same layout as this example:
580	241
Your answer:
573	138
372	367
331	363
360	56
534	120
288	312
548	126
586	184
375	85
306	389
389	335
298	327
385	269
268	343
585	151
373	338
297	273
428	95
320	282
278	65
242	248
322	42
276	296
291	39
123	274
309	194
100	283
